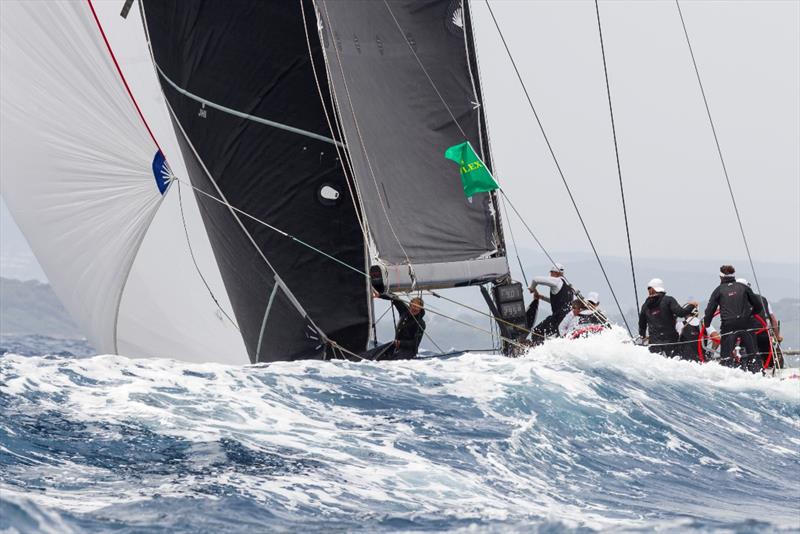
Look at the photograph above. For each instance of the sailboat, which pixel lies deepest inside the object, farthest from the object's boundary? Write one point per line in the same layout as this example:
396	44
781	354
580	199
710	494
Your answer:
311	135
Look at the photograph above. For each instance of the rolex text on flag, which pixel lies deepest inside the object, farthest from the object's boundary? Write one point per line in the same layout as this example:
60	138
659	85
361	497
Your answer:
475	177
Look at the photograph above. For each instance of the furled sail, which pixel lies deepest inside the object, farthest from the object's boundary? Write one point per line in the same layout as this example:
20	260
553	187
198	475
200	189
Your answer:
84	178
253	119
404	78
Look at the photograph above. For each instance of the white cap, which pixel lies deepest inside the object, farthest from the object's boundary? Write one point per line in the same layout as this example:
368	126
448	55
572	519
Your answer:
657	284
557	267
593	297
743	281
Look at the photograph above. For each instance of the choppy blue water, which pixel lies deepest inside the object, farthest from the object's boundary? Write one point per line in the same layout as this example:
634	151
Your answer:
577	436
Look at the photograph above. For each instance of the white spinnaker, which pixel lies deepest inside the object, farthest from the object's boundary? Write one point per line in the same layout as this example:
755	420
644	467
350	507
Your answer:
166	310
74	159
77	177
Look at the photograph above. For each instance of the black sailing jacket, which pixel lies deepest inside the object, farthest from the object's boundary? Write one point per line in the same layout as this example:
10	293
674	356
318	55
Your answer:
736	302
410	329
658	315
561	302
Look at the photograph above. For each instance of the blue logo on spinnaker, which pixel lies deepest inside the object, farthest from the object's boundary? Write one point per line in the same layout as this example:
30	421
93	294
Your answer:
161	172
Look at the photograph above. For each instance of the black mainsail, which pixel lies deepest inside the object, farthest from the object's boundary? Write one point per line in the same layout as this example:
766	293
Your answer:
405	81
239	81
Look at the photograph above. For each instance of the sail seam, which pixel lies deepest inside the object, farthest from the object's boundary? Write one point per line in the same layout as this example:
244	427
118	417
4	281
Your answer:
363	144
213	181
278	279
264	321
243	115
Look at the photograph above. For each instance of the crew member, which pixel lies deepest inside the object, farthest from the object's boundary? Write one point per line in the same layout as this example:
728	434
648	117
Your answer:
408	334
763	342
689	334
583	313
591	319
570	320
560	298
657	318
737	304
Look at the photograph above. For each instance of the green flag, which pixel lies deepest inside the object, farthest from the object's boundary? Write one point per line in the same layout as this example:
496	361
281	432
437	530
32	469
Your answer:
475	177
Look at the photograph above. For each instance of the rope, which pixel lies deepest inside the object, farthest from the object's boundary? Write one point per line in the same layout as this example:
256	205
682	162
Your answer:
339	151
470	325
194	261
578	294
616	153
273	228
773	341
719	150
721	335
364	146
514	241
424	70
497	319
560	172
301	242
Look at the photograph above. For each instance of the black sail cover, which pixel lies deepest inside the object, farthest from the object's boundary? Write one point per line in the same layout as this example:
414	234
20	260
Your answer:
239	81
391	65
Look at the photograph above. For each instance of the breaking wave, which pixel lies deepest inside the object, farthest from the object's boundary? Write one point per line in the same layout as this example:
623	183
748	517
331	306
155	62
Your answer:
577	435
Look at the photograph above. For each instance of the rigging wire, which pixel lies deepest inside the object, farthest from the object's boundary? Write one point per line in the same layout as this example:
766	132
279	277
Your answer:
194	261
560	172
456	122
474	327
364	146
340	150
303	243
578	294
616	153
273	228
315	249
719	150
424	70
480	312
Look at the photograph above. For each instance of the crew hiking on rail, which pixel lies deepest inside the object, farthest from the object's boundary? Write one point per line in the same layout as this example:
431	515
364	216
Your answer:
560	297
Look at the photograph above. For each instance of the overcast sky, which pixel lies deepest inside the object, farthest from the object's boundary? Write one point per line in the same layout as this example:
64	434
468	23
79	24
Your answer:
748	54
749	57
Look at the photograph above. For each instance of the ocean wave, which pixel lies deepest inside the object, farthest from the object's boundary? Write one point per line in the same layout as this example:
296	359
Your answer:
587	434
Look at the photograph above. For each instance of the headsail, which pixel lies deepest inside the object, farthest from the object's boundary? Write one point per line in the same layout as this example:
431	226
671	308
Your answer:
404	80
75	159
240	82
82	178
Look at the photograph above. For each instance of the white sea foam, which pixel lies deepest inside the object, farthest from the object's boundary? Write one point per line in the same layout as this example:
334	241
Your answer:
576	431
